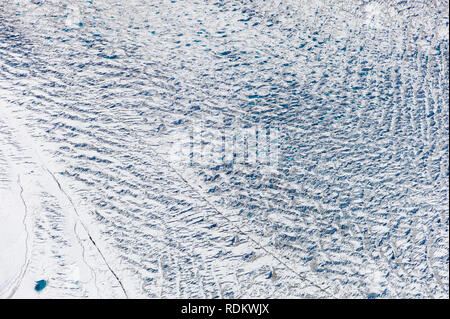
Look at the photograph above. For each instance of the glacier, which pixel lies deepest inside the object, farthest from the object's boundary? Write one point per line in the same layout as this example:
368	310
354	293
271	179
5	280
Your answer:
224	149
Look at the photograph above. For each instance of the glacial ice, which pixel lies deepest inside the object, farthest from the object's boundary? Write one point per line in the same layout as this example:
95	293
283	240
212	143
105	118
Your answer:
231	149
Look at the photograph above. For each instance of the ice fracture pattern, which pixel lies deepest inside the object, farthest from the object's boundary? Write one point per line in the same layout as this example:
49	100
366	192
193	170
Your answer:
224	149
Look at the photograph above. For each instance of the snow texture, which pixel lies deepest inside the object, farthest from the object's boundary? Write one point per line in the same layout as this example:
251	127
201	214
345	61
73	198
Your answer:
224	149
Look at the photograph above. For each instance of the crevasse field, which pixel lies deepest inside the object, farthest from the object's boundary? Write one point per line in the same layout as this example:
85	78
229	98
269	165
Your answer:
224	149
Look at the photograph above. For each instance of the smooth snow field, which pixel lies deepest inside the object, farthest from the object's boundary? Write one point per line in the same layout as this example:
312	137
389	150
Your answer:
224	149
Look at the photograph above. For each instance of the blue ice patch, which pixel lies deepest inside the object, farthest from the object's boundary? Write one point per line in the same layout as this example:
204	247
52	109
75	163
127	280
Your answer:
40	285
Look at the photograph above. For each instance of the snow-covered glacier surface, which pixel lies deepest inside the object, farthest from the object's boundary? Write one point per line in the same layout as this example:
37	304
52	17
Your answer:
224	149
